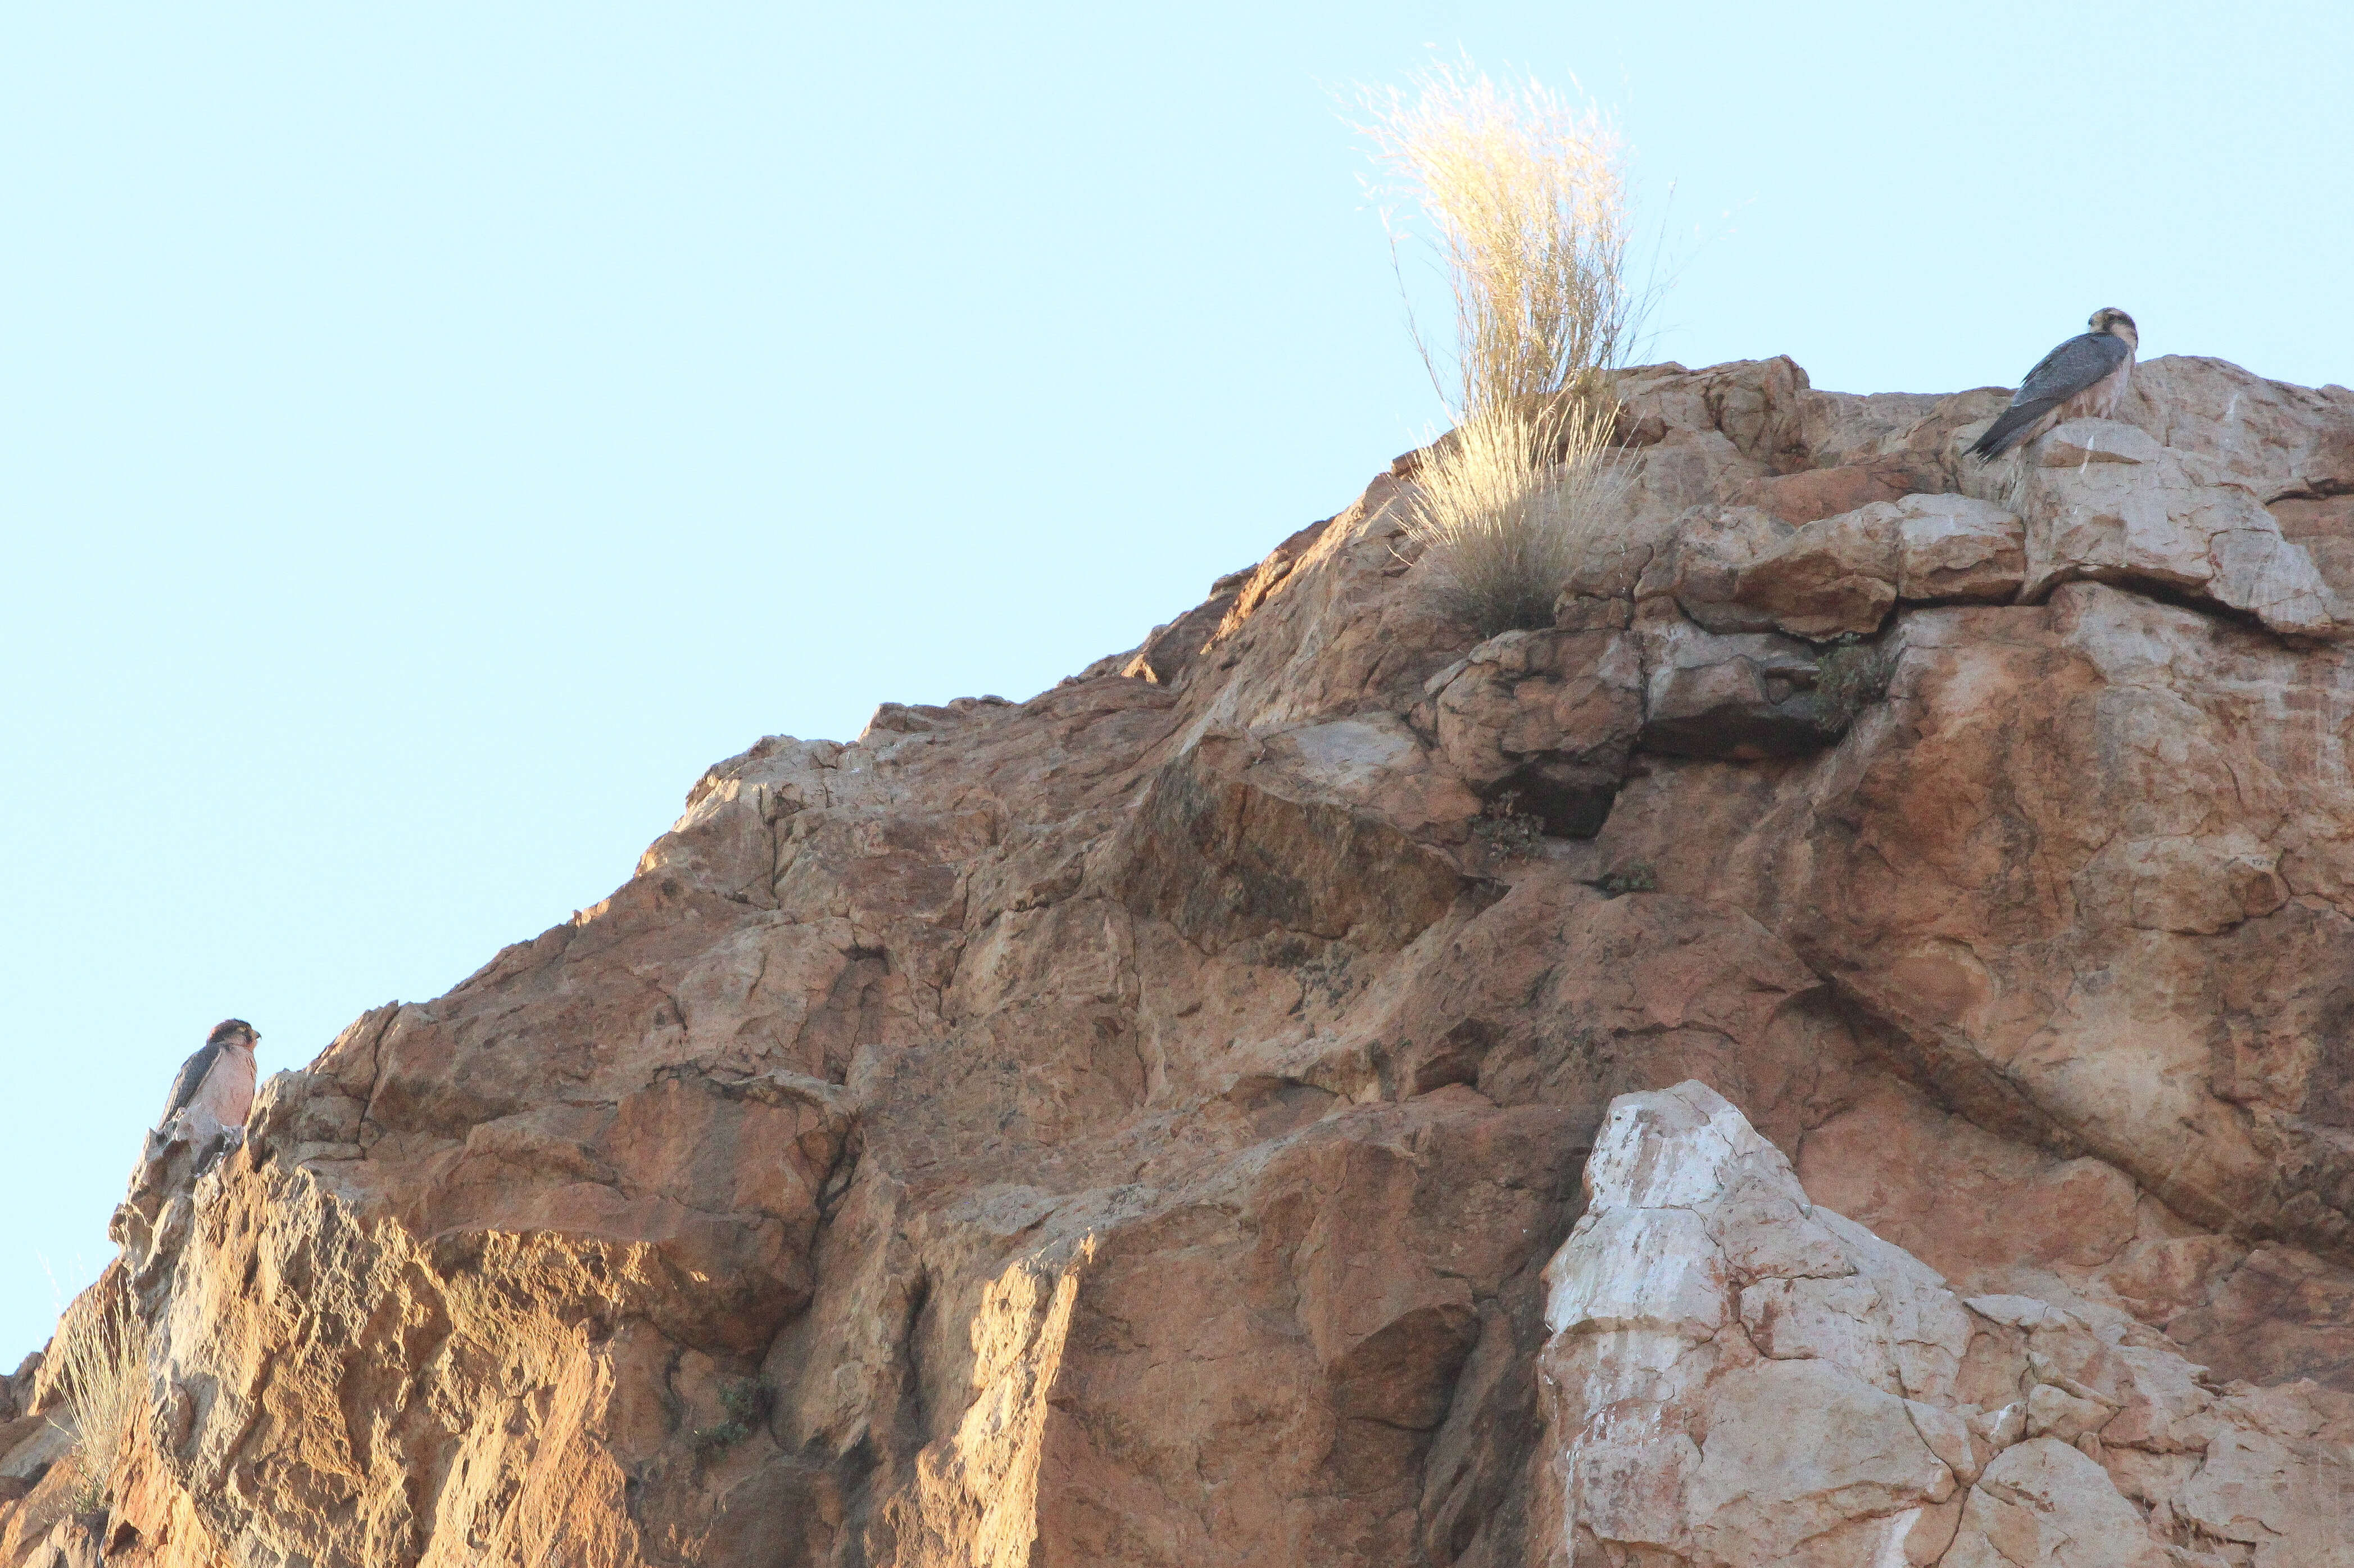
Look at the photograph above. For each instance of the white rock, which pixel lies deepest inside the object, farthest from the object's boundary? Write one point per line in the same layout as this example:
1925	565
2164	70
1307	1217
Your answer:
2105	502
2044	1505
1652	1269
1673	1149
1797	1449
1739	1378
2080	441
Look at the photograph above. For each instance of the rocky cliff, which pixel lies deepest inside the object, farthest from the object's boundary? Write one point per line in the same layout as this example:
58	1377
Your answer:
1151	1123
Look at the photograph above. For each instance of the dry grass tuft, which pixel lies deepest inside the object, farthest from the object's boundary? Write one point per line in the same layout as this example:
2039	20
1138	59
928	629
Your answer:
1526	199
99	1361
1507	508
1525	195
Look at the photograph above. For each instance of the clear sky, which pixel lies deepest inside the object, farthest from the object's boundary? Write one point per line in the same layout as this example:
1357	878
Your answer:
430	434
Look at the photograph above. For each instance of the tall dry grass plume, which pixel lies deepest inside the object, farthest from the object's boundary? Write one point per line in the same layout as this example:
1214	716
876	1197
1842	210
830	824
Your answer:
99	1363
1524	196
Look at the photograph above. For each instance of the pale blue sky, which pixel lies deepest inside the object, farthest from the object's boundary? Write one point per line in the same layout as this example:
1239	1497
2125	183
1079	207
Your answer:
430	434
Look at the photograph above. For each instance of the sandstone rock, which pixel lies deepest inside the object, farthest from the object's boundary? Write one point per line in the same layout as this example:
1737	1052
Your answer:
1700	562
2275	439
1919	435
1372	761
1954	550
1755	403
1842	575
2134	727
36	1451
1169	653
1735	696
1227	853
1833	577
76	1542
2043	1504
1817	492
1548	716
1129	1125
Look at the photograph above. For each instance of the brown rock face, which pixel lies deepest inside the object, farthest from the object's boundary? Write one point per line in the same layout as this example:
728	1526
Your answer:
1132	1125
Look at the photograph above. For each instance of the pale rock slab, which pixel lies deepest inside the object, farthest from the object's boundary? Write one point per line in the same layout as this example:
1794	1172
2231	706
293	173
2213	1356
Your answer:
1737	1378
1371	761
2274	437
2103	500
1954	550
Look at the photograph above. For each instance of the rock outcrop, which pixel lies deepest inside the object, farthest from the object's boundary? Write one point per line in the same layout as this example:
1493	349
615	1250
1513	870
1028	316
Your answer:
1738	1376
1133	1125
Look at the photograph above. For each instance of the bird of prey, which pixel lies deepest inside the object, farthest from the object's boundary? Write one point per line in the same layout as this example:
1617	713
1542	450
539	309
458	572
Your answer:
216	1084
2083	378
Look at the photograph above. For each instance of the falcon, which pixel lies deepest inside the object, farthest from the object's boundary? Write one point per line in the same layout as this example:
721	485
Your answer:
216	1084
2083	378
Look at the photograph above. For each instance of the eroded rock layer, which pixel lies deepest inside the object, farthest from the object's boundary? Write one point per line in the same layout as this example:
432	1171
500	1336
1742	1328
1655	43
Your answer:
1132	1125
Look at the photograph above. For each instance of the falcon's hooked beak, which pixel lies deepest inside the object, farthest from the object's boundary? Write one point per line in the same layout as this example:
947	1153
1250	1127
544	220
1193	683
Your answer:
2116	324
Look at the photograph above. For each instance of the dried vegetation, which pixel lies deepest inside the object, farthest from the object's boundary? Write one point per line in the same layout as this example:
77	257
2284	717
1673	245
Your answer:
99	1362
1524	199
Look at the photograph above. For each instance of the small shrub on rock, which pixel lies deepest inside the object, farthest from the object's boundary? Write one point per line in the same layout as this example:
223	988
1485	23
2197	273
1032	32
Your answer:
1851	676
100	1356
748	1402
1510	833
1636	878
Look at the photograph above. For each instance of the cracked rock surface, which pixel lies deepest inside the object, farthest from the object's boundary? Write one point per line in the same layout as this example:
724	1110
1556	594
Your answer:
1738	1376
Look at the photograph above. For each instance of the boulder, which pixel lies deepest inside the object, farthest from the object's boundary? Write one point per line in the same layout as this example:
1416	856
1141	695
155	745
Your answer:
2269	436
1738	1376
2103	500
1549	717
1832	577
1840	575
1700	562
1739	694
1951	549
1226	850
78	1541
1370	762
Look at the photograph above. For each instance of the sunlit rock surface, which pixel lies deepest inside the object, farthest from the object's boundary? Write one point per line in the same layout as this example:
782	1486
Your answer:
1132	1125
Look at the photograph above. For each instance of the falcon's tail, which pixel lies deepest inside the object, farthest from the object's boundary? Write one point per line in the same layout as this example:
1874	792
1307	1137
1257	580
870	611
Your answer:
2007	432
